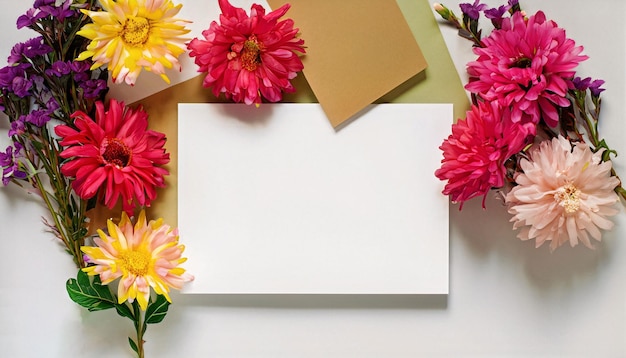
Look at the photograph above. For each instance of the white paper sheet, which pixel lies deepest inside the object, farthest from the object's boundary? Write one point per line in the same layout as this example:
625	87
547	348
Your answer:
273	200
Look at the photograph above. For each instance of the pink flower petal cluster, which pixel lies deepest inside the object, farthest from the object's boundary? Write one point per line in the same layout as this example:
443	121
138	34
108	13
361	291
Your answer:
142	256
475	153
249	57
564	194
527	65
116	153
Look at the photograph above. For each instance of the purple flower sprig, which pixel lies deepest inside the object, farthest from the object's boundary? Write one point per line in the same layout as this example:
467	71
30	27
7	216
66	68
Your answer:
41	86
468	27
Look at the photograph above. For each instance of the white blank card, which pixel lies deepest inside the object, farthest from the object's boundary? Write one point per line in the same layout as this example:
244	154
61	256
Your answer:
273	200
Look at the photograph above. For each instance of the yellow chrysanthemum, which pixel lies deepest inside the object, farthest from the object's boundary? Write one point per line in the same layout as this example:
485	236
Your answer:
142	256
129	35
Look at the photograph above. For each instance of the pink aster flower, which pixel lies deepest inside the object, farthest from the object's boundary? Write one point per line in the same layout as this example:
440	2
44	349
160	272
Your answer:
564	195
475	153
116	153
249	57
527	65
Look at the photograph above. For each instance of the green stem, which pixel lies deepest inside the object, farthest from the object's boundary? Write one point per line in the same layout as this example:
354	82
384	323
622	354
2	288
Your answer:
140	327
57	224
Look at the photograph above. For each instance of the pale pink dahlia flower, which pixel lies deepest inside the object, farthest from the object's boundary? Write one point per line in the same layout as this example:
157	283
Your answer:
564	194
249	57
528	65
143	255
475	153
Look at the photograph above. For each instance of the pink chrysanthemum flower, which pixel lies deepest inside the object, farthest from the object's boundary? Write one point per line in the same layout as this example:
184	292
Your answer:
116	153
527	65
475	153
144	255
564	194
246	57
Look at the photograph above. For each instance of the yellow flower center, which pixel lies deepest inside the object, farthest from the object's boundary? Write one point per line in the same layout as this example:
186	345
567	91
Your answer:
568	197
136	31
116	152
136	262
251	54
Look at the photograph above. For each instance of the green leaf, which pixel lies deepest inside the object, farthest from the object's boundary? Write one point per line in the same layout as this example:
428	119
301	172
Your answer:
133	345
157	310
124	311
90	294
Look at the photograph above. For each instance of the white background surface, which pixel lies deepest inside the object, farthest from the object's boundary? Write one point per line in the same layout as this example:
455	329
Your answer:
506	299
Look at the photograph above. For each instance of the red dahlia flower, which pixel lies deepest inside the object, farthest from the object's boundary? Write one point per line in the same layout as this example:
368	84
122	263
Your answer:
247	57
475	153
528	65
116	153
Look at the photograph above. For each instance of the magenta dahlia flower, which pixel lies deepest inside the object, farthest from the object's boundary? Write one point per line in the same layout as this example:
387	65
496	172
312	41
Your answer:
249	57
528	65
565	194
475	153
116	153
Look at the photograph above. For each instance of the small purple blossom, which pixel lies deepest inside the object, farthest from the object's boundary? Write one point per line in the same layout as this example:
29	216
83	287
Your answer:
29	18
38	117
10	164
93	88
8	73
30	49
52	105
473	10
21	86
59	69
514	6
595	89
41	3
17	126
80	77
80	69
583	84
60	12
36	47
80	66
496	15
